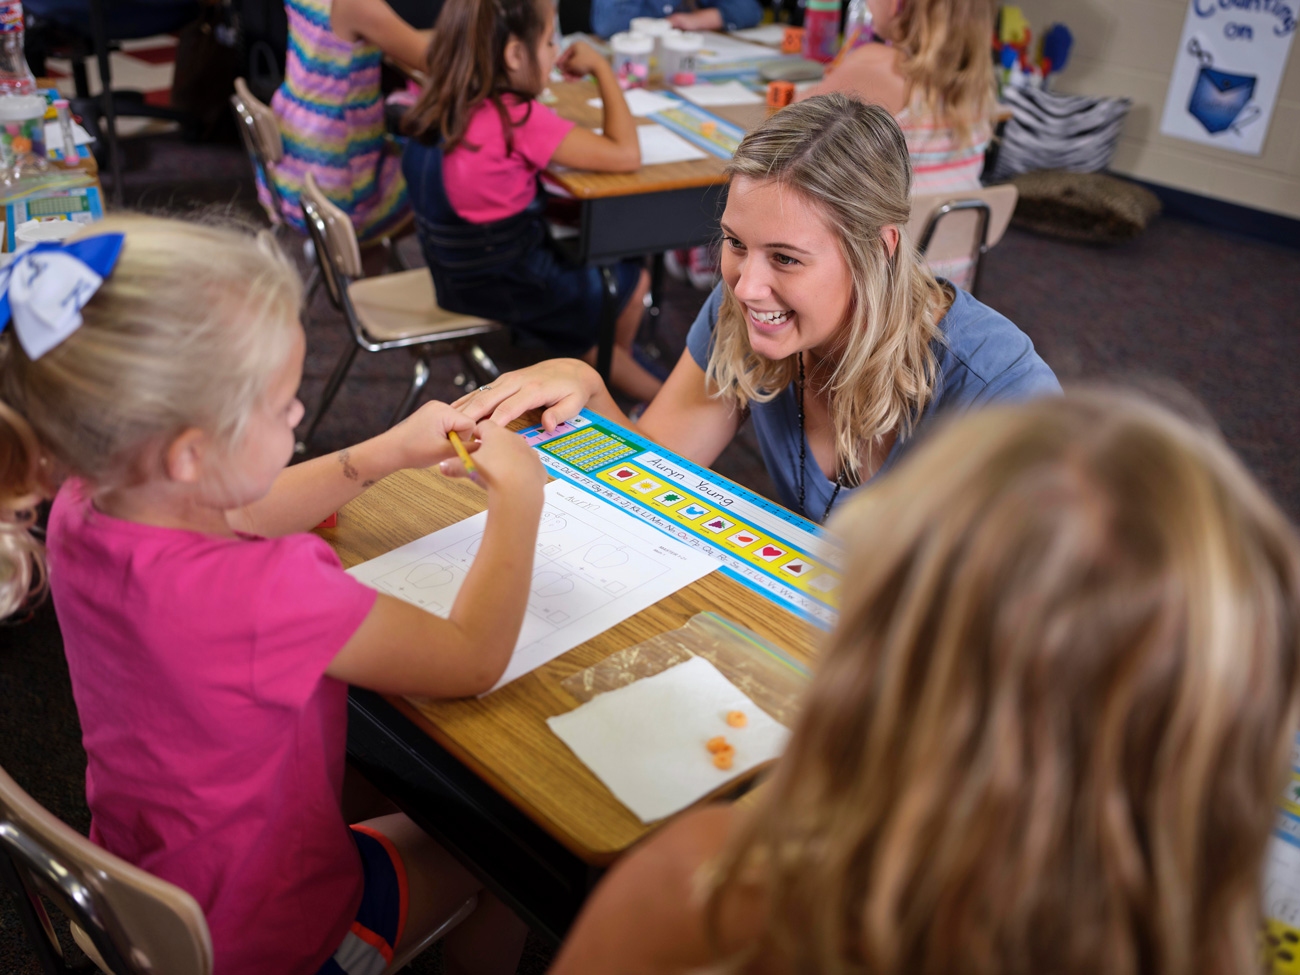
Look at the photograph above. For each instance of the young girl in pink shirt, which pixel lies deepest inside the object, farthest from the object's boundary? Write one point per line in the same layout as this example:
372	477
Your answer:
480	139
152	368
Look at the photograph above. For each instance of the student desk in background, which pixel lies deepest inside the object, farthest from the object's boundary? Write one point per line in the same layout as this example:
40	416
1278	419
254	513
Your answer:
655	209
487	777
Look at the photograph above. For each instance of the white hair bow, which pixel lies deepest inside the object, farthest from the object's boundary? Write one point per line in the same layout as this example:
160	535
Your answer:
44	288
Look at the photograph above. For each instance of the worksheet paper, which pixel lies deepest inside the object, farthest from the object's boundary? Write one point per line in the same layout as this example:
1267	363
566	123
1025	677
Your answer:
723	47
640	102
764	34
594	567
659	145
647	741
726	93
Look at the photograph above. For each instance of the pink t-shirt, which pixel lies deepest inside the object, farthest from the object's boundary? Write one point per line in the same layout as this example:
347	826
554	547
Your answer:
487	184
215	740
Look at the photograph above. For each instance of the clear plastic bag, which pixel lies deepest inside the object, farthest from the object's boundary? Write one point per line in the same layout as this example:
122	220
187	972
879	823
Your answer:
766	674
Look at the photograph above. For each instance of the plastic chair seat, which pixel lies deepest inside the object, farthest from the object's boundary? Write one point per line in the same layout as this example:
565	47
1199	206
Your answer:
403	305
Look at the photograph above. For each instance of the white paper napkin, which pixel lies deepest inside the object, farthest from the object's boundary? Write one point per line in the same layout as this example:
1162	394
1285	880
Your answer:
646	741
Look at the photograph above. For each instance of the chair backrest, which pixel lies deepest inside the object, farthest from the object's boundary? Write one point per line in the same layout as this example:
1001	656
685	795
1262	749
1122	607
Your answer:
951	227
136	922
260	123
334	237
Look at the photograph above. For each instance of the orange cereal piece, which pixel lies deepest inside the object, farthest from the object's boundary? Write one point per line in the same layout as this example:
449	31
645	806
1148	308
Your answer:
723	758
737	719
717	744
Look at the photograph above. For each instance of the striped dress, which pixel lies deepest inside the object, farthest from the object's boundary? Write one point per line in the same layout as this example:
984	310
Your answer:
942	164
332	124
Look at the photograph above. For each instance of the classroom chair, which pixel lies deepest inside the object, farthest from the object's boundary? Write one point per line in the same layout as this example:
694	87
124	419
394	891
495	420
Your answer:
88	29
128	922
387	311
953	231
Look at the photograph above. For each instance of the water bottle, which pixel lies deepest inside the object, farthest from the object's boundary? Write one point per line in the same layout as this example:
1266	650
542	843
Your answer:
15	76
821	29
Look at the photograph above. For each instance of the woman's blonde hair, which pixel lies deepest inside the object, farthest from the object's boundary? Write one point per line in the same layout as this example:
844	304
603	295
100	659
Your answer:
946	62
1050	729
186	331
850	161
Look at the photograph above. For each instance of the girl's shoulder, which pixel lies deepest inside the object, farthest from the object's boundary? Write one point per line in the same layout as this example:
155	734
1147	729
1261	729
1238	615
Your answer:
871	72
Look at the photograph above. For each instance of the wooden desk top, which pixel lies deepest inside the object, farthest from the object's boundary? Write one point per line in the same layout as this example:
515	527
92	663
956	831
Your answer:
503	738
571	103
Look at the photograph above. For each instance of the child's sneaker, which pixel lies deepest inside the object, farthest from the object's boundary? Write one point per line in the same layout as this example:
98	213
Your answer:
703	268
677	263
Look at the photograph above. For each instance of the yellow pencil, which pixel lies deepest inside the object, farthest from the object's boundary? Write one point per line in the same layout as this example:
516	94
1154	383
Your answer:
470	468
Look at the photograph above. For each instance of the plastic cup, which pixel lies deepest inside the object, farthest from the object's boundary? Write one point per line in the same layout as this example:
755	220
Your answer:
680	54
22	132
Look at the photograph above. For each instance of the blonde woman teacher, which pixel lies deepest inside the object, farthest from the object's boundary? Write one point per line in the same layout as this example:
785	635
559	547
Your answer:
827	329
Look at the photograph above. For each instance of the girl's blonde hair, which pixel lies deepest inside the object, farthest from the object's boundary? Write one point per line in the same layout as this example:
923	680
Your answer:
946	62
187	331
850	161
1050	729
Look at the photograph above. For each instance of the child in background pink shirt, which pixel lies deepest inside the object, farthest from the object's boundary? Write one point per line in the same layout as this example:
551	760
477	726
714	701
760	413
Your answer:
210	639
480	140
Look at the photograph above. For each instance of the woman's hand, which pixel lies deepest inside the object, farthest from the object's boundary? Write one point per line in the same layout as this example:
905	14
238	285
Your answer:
710	18
578	60
560	386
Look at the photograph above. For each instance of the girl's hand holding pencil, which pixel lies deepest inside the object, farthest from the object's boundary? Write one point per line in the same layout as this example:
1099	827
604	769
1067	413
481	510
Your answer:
502	463
579	60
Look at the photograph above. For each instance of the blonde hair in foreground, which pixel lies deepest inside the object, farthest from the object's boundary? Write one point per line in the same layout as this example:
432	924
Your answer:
946	61
850	160
187	331
1049	731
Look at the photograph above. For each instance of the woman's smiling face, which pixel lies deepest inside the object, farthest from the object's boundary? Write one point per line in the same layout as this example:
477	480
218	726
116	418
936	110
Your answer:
784	264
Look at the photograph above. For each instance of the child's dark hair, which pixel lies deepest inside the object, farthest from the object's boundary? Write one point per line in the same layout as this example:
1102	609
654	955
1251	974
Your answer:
467	66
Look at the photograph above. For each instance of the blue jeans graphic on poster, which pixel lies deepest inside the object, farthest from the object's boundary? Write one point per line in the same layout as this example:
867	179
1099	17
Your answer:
1218	98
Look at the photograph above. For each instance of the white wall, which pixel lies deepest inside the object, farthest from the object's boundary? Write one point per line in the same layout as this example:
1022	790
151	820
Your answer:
1127	47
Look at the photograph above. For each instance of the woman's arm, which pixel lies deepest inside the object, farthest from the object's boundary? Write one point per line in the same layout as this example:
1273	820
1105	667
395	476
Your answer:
683	417
375	21
616	149
307	493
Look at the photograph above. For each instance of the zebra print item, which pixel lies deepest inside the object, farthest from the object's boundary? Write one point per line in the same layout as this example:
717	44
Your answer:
1050	131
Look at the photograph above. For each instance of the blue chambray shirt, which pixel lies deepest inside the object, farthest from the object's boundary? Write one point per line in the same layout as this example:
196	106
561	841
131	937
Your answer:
983	358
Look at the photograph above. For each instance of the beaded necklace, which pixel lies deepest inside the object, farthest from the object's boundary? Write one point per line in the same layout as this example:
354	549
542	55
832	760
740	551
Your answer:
803	454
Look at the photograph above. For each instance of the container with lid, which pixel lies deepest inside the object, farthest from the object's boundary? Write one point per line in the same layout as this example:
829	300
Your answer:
680	54
630	54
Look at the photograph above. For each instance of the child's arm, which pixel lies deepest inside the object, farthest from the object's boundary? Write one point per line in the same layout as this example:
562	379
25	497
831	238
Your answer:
720	15
616	150
307	493
375	21
401	649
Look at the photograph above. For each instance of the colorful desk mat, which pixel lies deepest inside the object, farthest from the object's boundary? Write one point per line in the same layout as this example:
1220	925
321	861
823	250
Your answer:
700	127
756	542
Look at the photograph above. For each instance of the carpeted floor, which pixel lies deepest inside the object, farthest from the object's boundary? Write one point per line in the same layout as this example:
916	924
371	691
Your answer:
1211	313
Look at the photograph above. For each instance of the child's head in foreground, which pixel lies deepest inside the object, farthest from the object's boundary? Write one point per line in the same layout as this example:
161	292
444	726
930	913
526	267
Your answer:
189	331
1049	731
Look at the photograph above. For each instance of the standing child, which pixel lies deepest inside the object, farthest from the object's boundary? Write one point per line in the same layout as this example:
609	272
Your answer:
1047	735
480	140
331	113
153	367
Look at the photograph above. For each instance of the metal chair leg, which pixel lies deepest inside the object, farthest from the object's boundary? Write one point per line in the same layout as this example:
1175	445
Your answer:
309	289
479	363
327	397
418	382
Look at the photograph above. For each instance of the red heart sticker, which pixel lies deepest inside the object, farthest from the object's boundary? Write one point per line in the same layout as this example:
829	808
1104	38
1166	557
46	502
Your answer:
771	552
